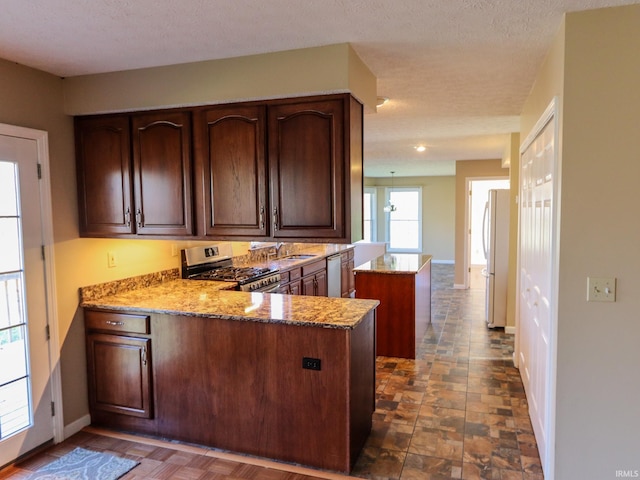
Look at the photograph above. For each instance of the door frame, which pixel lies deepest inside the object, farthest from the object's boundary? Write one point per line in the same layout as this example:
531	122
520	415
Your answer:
467	222
41	138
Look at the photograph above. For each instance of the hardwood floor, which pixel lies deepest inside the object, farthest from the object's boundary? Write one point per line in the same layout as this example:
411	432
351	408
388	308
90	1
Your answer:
458	411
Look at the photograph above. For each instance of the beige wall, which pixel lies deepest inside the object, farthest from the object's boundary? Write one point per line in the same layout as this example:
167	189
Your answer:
319	70
34	99
469	169
513	156
597	421
438	212
29	98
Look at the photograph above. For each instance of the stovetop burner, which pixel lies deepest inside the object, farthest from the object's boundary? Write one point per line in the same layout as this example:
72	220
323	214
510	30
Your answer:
233	274
214	262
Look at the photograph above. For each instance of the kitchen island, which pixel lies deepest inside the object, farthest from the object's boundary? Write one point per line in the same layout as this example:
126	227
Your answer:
285	377
402	283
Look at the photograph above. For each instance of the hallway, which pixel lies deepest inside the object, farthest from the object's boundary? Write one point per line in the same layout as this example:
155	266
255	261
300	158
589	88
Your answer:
458	410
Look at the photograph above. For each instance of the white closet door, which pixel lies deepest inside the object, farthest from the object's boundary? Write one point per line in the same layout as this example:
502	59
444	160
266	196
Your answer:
538	271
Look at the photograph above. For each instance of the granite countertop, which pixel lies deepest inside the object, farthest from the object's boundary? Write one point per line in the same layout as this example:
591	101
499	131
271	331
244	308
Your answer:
395	263
209	299
318	251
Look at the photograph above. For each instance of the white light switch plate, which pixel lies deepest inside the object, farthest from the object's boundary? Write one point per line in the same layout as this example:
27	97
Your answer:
111	260
601	289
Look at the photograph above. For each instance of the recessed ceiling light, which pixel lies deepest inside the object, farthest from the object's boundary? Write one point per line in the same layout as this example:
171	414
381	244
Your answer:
420	148
380	101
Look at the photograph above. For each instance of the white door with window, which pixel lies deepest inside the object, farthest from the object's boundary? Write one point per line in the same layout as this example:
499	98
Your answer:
25	371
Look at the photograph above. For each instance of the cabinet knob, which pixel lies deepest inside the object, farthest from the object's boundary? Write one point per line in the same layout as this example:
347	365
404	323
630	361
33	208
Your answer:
127	217
275	219
261	217
111	322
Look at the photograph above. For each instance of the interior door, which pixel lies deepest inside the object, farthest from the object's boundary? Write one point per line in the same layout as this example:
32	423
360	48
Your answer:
475	247
25	391
537	308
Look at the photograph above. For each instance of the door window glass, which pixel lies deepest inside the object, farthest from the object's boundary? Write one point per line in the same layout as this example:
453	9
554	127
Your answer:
15	412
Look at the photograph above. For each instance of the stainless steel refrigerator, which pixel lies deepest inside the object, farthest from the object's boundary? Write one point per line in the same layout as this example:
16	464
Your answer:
495	239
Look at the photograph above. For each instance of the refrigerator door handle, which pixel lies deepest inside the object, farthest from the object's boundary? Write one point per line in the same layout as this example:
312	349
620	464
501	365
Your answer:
485	230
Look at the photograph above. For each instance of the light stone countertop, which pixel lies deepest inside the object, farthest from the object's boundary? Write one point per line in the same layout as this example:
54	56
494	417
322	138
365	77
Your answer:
200	298
395	263
319	252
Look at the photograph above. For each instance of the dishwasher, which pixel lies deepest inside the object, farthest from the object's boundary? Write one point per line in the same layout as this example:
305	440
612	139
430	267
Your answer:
333	276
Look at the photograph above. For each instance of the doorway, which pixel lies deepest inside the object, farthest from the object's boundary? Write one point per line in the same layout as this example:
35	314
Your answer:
28	382
478	189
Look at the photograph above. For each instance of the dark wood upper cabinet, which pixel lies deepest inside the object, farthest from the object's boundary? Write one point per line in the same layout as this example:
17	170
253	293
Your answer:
288	169
307	169
135	174
162	173
230	155
105	199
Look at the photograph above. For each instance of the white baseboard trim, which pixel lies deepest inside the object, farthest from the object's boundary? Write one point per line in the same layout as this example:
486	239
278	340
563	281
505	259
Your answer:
510	330
75	427
459	286
446	262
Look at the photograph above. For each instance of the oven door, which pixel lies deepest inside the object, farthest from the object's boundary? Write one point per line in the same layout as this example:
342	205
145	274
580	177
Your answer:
271	288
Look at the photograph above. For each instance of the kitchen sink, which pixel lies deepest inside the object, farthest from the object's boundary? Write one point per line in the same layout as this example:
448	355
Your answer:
298	256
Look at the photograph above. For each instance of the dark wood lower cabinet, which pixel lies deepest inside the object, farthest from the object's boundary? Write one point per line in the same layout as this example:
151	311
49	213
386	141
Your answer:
314	279
347	278
241	386
119	374
404	313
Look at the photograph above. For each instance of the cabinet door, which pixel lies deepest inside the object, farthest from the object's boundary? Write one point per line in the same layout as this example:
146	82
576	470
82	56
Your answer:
295	288
119	371
104	175
322	289
347	279
315	285
162	173
306	162
231	160
308	285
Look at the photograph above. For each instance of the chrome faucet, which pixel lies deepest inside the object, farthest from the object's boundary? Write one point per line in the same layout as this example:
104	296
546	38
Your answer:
276	252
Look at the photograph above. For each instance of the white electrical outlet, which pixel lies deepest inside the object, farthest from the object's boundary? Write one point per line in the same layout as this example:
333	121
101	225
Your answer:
111	260
601	289
174	249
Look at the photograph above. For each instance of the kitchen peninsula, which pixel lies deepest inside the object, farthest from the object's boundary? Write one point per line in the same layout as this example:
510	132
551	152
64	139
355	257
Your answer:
279	376
402	283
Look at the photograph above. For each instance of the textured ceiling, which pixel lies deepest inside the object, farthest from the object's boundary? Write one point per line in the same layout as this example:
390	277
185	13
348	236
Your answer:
457	71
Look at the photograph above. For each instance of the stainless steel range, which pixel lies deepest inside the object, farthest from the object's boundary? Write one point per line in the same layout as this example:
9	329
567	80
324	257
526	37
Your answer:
215	262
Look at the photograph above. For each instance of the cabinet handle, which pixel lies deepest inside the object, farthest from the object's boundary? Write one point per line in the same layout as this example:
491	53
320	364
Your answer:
139	218
275	218
111	322
261	217
144	356
127	217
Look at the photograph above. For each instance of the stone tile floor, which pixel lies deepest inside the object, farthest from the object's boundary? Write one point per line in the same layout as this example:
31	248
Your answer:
456	412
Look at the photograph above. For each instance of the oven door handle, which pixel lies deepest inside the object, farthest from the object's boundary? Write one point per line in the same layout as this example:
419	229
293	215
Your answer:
271	288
